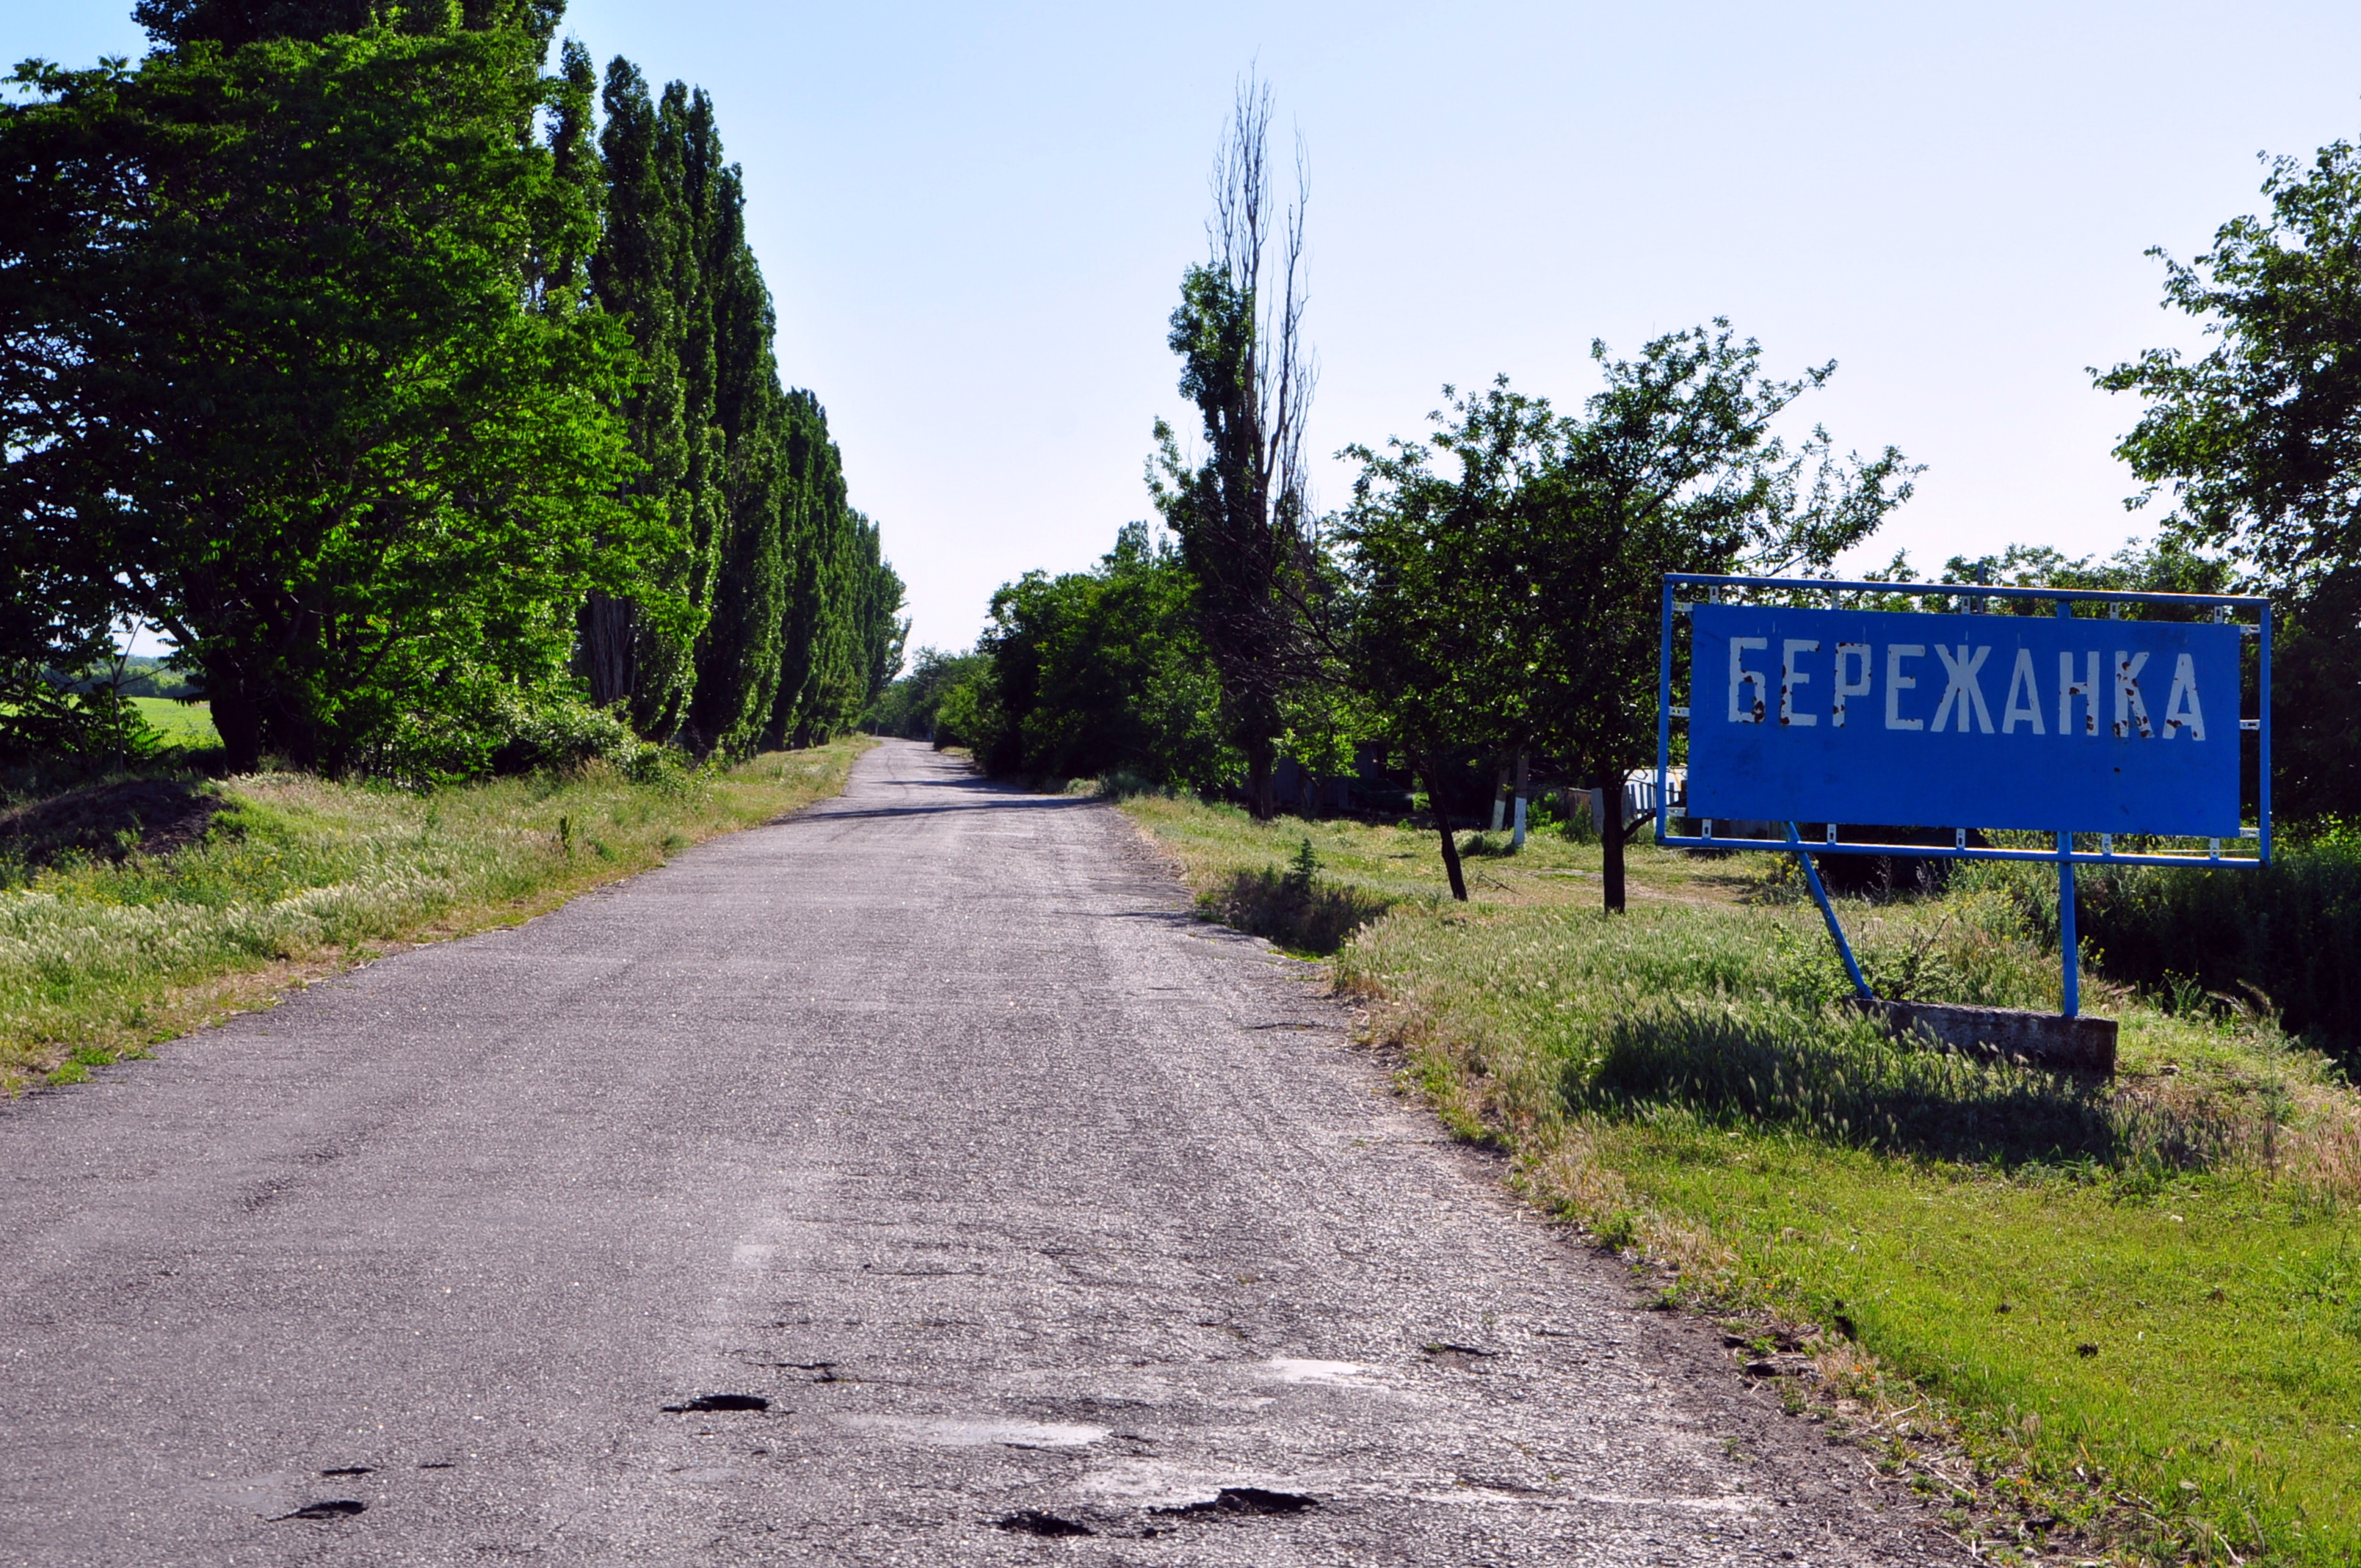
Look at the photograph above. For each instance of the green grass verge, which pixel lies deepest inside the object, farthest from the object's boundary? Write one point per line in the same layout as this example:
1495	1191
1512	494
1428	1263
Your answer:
2120	1323
300	876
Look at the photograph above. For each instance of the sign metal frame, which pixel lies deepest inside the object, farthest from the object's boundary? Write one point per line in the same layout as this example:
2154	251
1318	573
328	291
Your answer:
2063	855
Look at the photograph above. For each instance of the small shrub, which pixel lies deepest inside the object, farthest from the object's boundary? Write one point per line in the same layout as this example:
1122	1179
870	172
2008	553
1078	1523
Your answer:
1124	783
1293	907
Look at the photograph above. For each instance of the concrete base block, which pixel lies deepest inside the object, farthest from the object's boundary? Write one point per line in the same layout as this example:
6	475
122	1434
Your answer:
2010	1034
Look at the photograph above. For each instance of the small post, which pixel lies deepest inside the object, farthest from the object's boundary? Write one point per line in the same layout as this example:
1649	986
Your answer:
2263	739
2069	954
1665	711
1524	781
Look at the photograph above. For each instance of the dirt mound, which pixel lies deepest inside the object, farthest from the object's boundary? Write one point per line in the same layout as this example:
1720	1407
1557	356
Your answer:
150	817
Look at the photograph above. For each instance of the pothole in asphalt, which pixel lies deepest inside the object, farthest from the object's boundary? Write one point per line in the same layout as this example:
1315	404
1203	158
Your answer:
333	1508
719	1402
351	1470
1033	1522
438	1464
1458	1357
1244	1500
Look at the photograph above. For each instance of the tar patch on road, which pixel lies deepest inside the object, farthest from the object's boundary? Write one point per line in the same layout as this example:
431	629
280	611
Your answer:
333	1508
1033	1522
1244	1500
719	1402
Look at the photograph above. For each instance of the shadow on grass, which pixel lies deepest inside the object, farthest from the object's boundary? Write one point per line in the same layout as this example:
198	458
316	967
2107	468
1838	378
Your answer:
1854	1085
1301	914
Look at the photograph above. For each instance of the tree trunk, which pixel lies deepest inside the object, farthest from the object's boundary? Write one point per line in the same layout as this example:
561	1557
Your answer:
610	649
1610	836
1262	785
1500	793
1442	825
239	718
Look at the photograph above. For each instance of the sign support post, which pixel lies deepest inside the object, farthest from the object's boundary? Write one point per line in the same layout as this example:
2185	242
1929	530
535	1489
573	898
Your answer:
2069	946
1828	913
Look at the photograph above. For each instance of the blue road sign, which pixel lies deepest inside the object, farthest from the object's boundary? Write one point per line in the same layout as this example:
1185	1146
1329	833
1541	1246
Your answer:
2059	723
1982	721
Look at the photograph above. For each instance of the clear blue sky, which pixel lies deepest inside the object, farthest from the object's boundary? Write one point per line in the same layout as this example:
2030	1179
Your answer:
975	219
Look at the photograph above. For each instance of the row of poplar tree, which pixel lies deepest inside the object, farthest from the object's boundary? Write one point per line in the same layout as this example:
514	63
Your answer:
425	400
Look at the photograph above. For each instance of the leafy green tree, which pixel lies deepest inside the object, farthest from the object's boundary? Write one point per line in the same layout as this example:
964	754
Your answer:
2165	565
796	632
279	364
912	706
1101	671
2259	439
1528	601
644	254
739	661
2259	442
1242	514
841	643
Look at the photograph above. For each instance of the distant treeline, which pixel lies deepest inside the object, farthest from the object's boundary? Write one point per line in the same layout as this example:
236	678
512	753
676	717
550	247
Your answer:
426	402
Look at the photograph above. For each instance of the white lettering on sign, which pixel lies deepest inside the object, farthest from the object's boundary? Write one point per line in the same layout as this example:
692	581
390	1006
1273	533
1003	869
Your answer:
2129	710
2024	695
1789	679
1857	654
1739	676
1960	688
1896	682
1962	708
2181	709
2069	688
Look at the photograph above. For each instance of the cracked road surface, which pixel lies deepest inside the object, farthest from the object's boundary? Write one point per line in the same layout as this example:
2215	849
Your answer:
1052	1226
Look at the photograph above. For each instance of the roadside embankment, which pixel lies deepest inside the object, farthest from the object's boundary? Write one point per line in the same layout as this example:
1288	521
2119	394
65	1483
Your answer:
113	937
2105	1319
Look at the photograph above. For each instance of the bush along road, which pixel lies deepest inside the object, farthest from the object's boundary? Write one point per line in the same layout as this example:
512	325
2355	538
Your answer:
912	1181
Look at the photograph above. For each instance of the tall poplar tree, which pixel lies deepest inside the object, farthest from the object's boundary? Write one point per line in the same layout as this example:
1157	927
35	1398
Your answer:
791	601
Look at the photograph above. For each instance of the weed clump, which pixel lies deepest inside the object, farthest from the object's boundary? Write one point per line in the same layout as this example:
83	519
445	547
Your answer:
1294	907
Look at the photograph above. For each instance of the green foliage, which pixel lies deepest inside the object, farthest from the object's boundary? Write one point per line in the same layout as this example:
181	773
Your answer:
1304	870
98	727
2260	438
970	714
271	369
1515	605
1096	672
2163	566
841	643
2316	702
911	707
398	422
1301	915
1294	907
490	727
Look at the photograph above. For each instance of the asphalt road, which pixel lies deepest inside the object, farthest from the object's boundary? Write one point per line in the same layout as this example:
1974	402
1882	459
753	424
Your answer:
1030	1206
